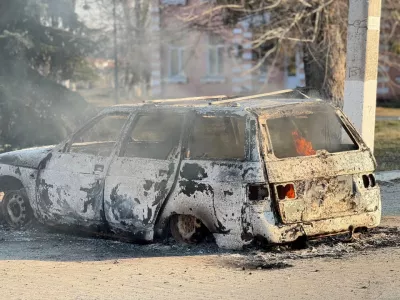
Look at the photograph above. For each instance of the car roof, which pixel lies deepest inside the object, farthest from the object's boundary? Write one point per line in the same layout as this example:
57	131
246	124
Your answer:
237	105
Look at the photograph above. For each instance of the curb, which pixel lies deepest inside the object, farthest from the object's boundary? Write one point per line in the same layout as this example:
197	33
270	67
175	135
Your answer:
387	175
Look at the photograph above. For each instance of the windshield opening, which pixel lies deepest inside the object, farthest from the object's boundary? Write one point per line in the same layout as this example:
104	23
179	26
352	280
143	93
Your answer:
304	135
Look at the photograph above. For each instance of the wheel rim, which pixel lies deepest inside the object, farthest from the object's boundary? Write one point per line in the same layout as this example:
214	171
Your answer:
16	208
187	226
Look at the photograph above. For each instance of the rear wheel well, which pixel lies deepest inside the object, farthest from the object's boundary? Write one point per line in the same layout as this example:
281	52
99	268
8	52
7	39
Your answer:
194	229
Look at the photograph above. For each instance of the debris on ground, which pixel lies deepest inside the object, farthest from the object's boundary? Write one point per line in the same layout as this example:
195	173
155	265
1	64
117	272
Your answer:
53	245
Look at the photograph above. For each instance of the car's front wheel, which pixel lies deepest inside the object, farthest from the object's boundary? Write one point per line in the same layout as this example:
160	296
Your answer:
16	209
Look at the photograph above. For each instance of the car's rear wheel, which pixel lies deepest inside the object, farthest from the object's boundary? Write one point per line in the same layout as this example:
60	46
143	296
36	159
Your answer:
16	209
187	229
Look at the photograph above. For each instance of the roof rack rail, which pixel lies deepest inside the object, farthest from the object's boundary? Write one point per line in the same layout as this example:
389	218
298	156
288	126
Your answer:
251	97
257	96
218	97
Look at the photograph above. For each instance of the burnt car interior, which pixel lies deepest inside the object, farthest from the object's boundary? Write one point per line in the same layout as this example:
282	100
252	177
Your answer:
100	138
154	136
305	134
217	137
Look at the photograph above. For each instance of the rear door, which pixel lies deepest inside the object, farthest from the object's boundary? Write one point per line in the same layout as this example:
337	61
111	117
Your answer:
142	175
215	171
313	160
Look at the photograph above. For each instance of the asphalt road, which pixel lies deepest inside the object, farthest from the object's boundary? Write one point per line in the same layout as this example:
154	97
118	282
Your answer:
390	193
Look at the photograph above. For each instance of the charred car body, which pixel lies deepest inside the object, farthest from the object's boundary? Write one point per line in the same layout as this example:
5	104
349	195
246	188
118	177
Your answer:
273	169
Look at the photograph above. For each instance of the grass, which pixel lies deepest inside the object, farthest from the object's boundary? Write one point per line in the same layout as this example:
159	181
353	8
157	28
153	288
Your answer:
387	112
387	145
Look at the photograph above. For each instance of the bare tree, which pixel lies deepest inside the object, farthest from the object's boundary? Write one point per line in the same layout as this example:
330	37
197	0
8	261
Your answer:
132	20
318	27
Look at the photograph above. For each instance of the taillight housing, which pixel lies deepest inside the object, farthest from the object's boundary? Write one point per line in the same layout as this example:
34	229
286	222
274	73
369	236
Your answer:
257	192
369	181
286	191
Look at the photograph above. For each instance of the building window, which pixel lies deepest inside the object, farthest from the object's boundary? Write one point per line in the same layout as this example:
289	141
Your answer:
176	64
216	50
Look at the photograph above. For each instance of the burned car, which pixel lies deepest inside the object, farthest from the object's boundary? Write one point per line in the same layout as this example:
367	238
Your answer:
244	169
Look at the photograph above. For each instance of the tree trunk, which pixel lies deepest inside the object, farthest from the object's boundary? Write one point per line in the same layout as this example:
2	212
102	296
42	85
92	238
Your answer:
325	57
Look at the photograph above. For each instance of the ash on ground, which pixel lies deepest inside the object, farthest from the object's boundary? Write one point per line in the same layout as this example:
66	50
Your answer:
279	257
41	243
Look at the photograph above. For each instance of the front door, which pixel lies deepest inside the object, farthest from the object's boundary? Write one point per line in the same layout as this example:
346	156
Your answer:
141	176
70	183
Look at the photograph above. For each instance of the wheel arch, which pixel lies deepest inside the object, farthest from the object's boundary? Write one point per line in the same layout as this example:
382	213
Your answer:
163	224
10	183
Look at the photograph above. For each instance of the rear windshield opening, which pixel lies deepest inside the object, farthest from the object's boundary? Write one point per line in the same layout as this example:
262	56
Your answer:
304	135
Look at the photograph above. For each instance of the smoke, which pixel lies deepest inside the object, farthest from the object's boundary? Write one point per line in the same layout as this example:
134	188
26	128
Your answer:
36	55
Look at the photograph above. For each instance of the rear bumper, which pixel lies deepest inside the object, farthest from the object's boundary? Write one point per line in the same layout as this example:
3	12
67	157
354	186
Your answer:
265	225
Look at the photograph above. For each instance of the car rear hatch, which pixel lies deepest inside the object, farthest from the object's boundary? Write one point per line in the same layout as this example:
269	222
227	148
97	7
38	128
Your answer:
314	159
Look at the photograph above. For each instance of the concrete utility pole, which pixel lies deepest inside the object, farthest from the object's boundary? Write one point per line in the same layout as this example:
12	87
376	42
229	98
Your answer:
362	66
116	81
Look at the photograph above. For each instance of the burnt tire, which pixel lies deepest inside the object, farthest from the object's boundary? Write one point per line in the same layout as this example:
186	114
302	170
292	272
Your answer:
187	229
16	209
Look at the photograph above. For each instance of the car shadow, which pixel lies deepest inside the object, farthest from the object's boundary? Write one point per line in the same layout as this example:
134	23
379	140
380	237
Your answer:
47	244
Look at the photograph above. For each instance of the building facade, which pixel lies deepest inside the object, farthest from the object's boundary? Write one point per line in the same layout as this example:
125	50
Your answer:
190	58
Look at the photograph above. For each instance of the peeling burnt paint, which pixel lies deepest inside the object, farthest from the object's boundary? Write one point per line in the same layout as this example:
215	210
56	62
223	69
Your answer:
44	195
246	171
193	172
43	163
147	186
189	188
228	193
92	194
227	165
149	215
18	171
161	188
121	207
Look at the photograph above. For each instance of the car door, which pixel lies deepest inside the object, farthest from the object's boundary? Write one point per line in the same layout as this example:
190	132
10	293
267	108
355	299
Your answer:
70	182
142	175
216	170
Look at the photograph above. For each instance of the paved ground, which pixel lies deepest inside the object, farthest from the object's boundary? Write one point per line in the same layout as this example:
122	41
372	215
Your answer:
40	264
390	198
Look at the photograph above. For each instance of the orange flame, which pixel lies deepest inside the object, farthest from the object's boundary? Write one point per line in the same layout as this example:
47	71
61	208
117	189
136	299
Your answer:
303	147
290	191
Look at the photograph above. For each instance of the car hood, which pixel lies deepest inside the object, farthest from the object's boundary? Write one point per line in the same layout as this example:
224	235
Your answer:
28	158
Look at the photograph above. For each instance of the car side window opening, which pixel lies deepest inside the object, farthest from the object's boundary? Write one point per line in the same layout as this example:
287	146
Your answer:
154	136
217	137
100	138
